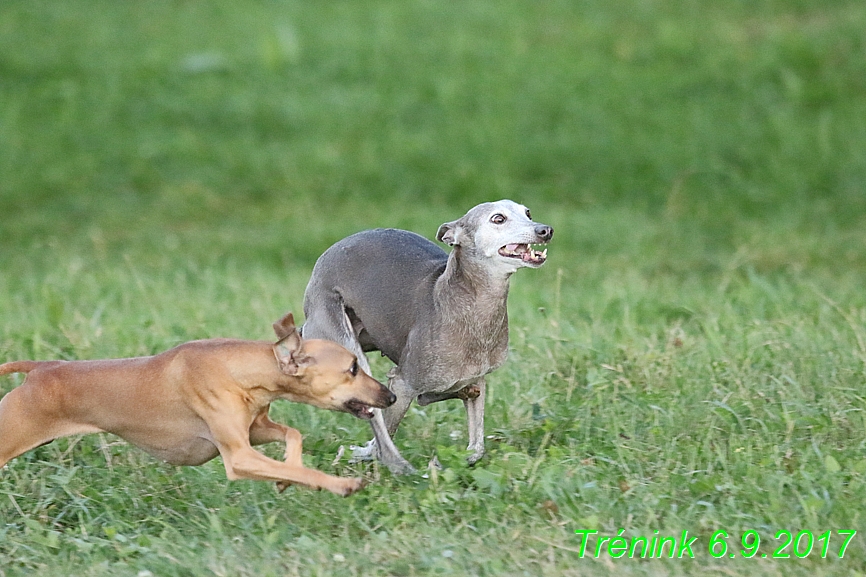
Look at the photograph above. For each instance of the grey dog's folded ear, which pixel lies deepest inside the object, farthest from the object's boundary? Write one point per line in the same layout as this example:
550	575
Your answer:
448	233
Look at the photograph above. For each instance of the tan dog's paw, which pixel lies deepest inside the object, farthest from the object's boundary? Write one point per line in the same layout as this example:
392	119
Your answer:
283	485
352	485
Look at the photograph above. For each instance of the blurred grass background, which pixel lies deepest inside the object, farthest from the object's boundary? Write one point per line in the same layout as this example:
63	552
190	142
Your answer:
122	116
689	358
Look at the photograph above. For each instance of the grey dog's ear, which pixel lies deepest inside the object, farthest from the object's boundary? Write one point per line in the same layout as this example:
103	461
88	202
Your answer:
287	350
448	233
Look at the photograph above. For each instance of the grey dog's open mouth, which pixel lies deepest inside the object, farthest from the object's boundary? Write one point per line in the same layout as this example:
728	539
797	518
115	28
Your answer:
359	409
524	252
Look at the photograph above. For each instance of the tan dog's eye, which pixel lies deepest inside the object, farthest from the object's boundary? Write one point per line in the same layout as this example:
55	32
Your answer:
497	219
353	370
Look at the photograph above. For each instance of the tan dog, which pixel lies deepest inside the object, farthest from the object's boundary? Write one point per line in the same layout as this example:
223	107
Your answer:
195	401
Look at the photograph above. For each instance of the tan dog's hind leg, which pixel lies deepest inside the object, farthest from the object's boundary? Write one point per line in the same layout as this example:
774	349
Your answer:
24	424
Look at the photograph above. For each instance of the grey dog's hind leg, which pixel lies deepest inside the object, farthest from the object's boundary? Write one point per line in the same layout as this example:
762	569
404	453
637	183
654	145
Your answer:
333	324
388	454
384	425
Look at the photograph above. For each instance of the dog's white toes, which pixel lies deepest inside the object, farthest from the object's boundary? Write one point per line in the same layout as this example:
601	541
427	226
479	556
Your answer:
361	454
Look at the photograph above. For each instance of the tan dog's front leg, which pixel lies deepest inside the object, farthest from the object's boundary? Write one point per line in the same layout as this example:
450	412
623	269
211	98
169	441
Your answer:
241	461
246	463
264	430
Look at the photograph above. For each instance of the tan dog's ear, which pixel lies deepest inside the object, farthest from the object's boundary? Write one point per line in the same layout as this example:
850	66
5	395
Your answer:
287	350
285	326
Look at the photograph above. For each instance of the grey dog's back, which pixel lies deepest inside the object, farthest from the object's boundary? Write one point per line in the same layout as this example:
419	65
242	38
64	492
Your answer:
383	278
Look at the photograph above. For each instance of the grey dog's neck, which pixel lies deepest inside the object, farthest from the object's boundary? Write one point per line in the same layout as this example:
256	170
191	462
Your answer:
469	292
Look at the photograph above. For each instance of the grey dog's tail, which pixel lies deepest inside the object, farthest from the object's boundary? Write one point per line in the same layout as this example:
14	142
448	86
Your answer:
18	367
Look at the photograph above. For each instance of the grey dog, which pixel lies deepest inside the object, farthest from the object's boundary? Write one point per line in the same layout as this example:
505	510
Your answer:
441	318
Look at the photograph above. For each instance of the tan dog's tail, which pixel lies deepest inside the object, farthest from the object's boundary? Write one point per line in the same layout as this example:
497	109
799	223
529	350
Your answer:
18	367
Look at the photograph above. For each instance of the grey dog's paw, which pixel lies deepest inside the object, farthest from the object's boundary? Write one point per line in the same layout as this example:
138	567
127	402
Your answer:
368	452
477	454
400	467
474	458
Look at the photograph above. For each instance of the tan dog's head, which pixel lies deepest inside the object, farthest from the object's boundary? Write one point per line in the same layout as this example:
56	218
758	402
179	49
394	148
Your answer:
327	375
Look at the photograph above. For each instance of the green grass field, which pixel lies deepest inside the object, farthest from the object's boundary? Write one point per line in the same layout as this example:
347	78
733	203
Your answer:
692	356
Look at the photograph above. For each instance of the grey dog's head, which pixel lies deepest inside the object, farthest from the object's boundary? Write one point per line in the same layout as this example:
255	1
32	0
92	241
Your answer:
502	231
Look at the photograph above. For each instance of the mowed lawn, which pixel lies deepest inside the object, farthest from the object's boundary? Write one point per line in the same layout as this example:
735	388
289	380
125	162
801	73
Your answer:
692	358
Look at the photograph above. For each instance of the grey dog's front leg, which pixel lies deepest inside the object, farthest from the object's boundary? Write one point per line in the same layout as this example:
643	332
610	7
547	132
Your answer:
475	419
468	392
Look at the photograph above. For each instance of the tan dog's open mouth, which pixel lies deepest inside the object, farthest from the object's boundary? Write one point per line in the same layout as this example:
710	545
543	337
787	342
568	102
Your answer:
524	252
359	409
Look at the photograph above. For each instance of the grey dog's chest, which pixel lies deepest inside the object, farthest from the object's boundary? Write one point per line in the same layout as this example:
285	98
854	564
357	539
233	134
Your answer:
455	362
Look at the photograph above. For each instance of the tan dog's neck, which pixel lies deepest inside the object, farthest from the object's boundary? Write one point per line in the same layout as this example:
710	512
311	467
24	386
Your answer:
256	369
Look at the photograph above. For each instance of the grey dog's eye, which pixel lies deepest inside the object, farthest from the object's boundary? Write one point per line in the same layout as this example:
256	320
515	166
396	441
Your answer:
528	214
497	219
